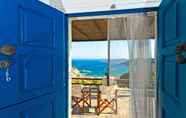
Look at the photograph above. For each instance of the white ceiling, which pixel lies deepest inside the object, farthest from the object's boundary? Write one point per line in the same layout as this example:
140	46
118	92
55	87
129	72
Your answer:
74	6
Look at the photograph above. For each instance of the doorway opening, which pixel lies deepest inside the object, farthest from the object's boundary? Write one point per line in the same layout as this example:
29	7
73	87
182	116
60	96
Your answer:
113	66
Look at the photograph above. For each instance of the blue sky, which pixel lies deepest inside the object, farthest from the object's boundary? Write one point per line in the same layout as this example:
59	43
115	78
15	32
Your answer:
98	50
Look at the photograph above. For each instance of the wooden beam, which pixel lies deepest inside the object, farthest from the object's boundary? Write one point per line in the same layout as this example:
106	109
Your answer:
80	31
99	28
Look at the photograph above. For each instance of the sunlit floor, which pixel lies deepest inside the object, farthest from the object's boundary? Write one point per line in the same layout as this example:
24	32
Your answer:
123	109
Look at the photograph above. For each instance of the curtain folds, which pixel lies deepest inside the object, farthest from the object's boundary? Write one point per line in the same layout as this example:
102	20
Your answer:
142	101
136	29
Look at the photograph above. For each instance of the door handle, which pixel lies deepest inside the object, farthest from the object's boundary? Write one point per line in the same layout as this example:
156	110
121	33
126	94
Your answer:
180	49
8	50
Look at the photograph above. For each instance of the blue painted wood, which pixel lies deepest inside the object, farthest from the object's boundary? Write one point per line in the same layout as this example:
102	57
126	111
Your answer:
112	12
65	66
171	75
43	107
8	29
38	67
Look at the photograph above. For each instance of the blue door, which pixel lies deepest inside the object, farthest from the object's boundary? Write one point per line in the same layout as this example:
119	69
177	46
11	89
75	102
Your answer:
42	107
171	59
31	57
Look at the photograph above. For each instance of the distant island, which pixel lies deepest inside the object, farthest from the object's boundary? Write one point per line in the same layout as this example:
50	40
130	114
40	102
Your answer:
99	68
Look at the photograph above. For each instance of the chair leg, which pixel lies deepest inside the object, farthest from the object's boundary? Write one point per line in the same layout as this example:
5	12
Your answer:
116	110
99	100
77	102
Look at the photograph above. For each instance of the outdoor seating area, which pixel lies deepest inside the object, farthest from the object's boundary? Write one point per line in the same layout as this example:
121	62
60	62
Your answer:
93	98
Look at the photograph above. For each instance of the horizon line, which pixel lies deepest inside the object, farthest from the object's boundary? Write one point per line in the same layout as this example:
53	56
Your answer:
100	58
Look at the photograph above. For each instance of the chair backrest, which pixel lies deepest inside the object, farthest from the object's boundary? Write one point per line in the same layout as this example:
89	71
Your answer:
108	92
76	90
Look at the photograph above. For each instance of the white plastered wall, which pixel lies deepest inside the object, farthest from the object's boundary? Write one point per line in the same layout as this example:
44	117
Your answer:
72	6
54	3
75	6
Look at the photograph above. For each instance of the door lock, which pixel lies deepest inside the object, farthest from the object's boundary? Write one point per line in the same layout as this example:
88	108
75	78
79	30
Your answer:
8	50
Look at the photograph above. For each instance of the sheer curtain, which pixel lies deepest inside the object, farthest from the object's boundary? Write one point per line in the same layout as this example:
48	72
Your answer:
140	67
135	28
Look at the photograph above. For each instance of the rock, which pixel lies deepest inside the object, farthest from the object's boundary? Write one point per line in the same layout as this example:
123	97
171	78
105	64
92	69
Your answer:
124	76
75	73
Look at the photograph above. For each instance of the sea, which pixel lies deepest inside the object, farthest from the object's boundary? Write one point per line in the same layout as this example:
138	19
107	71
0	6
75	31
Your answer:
99	67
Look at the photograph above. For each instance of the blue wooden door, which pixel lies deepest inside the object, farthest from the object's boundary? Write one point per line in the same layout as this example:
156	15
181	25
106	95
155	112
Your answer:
43	107
36	32
172	68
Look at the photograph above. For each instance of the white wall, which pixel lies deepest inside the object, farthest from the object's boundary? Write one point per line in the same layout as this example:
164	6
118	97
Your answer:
100	5
72	6
45	1
54	3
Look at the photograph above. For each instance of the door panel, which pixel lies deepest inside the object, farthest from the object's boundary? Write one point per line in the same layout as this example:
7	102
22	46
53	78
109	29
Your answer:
171	74
43	107
30	66
36	51
36	31
32	36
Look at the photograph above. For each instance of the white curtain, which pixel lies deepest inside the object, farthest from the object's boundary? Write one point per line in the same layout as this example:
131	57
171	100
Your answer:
136	29
142	101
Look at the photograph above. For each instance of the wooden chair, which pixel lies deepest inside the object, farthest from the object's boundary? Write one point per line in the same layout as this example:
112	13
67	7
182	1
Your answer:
76	96
107	98
86	96
81	97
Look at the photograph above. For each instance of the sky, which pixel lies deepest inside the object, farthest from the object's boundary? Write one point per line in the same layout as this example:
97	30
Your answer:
98	50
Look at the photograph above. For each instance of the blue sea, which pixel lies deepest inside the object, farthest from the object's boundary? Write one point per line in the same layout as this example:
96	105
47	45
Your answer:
98	67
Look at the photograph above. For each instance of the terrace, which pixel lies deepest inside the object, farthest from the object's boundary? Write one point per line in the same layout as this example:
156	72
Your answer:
108	92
